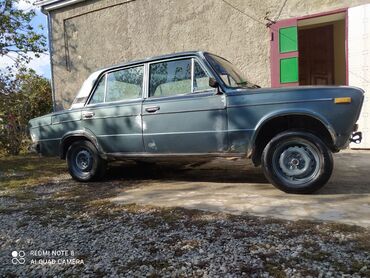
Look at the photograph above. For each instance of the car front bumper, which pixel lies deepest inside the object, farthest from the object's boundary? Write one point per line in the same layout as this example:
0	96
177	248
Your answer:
356	137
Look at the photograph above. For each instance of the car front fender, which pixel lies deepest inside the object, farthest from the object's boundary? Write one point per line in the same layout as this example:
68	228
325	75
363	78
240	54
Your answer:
287	112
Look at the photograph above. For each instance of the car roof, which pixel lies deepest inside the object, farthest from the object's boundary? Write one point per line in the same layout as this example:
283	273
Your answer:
90	81
155	58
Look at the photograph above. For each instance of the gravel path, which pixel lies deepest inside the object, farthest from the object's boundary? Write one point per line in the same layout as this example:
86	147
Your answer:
95	238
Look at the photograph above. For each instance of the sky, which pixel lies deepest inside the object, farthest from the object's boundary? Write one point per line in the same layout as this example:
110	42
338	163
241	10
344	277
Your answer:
40	65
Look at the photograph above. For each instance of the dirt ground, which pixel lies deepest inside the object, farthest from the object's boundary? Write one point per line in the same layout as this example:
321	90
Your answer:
140	221
237	187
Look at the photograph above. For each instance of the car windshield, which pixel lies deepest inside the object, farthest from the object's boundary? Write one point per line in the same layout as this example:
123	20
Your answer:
230	75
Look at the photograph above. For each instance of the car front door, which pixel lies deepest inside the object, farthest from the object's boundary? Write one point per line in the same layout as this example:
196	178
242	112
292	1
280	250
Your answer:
113	113
182	114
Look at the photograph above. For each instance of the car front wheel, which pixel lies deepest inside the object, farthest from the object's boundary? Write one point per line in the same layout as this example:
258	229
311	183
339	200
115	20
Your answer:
84	162
297	162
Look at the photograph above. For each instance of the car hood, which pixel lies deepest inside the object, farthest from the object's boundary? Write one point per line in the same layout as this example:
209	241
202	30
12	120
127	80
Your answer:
297	89
301	97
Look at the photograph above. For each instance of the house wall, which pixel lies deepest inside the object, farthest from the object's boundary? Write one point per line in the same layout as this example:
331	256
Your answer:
99	33
359	64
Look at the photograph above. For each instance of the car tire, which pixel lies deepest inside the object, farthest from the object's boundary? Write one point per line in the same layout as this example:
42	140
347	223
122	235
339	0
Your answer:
297	162
84	162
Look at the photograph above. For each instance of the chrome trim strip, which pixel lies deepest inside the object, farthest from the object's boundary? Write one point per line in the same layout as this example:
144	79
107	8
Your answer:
117	103
280	102
44	140
37	126
241	130
148	155
192	75
184	111
146	81
105	87
61	122
181	97
174	133
185	132
111	117
119	135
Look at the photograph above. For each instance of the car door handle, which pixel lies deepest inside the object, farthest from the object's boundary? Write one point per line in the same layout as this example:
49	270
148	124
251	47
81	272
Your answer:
152	109
88	115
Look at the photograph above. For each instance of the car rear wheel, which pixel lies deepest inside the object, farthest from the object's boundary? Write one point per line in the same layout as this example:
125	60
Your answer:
297	162
84	162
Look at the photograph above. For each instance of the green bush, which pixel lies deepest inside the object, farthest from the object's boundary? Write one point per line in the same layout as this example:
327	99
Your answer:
28	95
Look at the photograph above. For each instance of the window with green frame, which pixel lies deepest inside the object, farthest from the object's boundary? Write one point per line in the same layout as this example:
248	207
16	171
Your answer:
288	42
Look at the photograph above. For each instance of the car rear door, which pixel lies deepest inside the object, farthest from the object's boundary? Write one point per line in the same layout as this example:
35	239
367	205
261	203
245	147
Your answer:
182	114
113	112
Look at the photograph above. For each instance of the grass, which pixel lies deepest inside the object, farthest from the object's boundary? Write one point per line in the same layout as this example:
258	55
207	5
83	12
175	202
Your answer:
343	228
275	270
10	209
21	195
28	170
316	255
362	241
19	175
310	244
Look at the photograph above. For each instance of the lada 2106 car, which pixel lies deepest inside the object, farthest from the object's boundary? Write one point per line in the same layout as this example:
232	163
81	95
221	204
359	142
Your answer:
196	105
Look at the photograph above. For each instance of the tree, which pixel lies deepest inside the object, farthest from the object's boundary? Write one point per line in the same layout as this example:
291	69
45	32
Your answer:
23	93
17	35
31	98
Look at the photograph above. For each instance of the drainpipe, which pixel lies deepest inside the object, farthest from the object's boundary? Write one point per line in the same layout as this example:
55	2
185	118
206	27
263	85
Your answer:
51	60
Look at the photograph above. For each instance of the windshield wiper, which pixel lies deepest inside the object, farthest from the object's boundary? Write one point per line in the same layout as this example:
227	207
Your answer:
248	85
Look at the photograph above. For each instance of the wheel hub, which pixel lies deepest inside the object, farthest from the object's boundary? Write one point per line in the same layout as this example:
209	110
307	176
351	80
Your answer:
83	160
295	161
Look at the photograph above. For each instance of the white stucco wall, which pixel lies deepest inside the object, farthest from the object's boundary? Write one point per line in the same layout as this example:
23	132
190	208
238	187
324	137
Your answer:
359	63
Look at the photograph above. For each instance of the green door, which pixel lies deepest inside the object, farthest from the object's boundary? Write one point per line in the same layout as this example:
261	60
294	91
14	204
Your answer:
284	53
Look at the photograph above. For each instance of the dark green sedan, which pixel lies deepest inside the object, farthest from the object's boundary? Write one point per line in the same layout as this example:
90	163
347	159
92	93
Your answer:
196	105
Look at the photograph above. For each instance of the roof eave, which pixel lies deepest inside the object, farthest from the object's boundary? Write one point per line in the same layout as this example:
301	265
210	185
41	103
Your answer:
49	5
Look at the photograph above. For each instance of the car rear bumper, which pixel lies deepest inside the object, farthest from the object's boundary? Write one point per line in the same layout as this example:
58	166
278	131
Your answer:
35	148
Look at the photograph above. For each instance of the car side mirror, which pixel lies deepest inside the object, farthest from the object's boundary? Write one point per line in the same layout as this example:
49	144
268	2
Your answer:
214	84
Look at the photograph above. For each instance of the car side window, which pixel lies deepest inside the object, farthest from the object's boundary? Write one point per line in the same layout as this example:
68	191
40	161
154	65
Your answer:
125	84
201	78
170	78
98	96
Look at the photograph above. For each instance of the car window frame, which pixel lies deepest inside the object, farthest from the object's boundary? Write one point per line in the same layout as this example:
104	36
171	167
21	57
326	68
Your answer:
105	75
204	68
96	85
193	59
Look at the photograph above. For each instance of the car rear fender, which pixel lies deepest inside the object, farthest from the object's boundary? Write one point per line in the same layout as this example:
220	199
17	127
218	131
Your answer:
75	135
